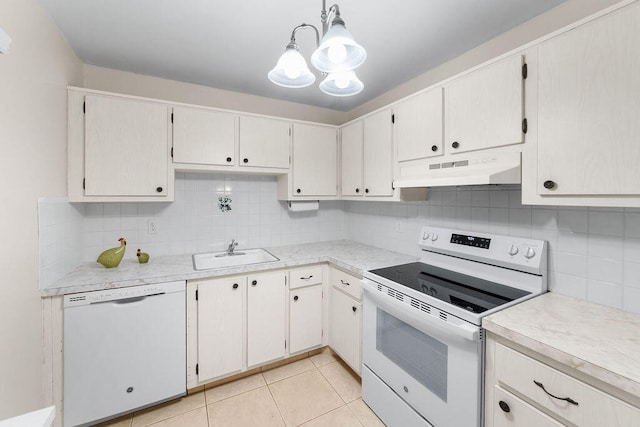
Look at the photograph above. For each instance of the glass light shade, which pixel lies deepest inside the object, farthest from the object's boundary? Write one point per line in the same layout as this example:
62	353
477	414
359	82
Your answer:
345	83
291	70
338	51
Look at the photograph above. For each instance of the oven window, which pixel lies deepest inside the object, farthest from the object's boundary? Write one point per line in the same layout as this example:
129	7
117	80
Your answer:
422	357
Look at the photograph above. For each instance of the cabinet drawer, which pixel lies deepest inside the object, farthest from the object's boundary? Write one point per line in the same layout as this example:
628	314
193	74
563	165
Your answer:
347	283
307	276
519	413
520	373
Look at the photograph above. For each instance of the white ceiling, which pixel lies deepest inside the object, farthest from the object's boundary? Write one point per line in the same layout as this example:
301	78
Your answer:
232	45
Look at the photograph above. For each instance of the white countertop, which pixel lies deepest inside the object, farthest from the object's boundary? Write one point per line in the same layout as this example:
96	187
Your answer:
598	341
349	256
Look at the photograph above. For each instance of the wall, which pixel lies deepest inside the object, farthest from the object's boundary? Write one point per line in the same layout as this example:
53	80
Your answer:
553	20
191	224
33	79
594	253
154	87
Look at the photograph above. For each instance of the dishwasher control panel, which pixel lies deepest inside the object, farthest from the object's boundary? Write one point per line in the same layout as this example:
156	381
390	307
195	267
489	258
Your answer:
132	292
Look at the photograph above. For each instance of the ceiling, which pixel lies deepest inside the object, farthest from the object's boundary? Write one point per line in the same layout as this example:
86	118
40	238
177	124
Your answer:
232	45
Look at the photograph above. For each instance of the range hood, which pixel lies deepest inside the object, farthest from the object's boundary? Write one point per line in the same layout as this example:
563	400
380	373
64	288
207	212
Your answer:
499	168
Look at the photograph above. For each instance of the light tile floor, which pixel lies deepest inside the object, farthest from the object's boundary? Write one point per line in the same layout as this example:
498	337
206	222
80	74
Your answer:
313	392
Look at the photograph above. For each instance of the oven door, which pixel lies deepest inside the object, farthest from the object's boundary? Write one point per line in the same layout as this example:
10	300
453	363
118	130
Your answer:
434	365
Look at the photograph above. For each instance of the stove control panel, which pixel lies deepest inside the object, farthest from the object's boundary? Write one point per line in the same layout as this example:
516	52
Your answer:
508	251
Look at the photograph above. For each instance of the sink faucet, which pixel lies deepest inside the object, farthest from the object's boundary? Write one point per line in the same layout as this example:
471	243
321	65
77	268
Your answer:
232	246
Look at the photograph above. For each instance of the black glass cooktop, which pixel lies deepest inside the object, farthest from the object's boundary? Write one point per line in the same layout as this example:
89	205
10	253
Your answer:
470	293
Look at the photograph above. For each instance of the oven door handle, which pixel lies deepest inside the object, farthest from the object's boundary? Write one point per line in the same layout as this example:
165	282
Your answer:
419	321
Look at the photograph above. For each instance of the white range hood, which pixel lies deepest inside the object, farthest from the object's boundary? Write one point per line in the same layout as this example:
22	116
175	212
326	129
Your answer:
498	168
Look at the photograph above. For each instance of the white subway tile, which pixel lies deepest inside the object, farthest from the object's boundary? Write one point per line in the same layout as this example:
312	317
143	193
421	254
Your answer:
567	284
544	218
576	221
631	299
573	264
606	223
605	247
604	293
605	270
576	243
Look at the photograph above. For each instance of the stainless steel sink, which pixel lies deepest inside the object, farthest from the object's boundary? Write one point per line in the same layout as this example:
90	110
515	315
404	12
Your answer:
211	260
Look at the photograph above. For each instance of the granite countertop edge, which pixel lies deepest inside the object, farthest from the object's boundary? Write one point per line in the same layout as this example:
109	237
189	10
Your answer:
347	255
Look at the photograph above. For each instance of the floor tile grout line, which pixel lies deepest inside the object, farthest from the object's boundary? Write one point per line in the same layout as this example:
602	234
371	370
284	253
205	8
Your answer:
276	403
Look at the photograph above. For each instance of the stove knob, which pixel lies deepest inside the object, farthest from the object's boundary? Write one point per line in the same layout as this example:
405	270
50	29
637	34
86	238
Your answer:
425	236
434	237
529	253
513	250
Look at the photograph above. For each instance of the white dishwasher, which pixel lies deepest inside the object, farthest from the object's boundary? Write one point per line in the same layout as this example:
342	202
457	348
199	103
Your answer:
123	349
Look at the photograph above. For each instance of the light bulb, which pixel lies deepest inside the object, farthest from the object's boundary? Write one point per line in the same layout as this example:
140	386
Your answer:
342	82
337	53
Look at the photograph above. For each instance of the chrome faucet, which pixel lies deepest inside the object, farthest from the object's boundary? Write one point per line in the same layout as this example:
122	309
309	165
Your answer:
232	246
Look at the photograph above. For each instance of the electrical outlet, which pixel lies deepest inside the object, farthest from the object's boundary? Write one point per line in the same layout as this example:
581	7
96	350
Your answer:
152	226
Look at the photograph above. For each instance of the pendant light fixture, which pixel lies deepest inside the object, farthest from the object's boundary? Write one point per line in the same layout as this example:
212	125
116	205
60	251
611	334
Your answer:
336	57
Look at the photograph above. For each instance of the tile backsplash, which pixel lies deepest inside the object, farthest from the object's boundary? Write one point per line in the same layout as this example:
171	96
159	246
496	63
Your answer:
594	253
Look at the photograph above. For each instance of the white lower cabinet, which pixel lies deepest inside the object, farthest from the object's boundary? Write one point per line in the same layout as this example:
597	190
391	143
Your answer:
266	305
221	311
345	319
305	318
523	391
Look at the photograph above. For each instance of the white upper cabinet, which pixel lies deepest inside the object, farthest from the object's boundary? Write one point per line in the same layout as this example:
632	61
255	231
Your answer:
352	139
484	108
378	154
264	142
314	164
204	137
125	148
588	105
419	126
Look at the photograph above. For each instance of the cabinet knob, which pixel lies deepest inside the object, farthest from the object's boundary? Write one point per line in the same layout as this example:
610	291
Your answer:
357	190
434	148
228	159
354	308
298	191
245	160
254	282
295	298
159	189
549	185
504	406
366	190
235	286
455	144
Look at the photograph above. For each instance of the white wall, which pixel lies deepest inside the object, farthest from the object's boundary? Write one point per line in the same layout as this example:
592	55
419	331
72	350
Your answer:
594	253
33	80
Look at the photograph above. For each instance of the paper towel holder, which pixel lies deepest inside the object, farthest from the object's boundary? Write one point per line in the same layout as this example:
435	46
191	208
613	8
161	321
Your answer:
303	206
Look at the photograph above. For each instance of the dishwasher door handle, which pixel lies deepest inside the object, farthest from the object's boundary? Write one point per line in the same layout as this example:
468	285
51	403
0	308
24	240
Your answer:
128	300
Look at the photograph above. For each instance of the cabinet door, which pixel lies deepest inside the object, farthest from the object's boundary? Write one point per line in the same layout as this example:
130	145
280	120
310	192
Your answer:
352	140
220	327
126	147
305	318
315	159
203	137
484	108
419	125
264	142
519	413
378	164
266	304
588	107
345	328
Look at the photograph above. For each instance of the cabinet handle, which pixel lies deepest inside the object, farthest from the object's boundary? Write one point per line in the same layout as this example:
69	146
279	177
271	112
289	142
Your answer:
307	278
366	190
254	282
504	406
298	191
549	185
354	308
455	144
434	148
295	298
159	189
235	286
357	190
568	399
228	159
344	283
245	160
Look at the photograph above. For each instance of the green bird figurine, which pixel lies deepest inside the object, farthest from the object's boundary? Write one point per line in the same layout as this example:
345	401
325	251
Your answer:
111	257
143	257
